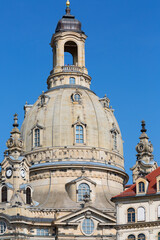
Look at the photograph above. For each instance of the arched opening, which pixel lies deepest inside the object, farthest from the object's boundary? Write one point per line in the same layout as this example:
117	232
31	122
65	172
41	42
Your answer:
131	237
70	53
141	237
4	194
28	196
159	236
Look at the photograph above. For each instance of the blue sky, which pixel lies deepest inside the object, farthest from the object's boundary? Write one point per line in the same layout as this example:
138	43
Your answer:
122	56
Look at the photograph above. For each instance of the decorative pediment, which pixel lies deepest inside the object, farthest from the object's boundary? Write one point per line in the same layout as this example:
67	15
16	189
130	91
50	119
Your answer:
114	129
81	179
37	125
88	212
79	122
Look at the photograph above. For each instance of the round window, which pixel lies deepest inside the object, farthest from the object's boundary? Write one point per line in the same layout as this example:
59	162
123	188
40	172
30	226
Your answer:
87	226
76	97
2	227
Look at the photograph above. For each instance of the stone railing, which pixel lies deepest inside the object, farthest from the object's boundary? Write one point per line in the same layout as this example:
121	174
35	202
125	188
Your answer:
71	68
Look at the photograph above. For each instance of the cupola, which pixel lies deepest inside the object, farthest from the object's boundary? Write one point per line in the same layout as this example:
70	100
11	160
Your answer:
68	46
68	22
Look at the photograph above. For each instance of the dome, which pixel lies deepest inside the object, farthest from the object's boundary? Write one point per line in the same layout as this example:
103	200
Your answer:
57	118
68	23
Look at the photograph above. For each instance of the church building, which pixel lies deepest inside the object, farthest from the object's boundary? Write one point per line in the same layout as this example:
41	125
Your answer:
62	169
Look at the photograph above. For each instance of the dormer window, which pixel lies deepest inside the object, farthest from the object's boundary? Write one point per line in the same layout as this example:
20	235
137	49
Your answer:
71	80
141	187
37	137
83	190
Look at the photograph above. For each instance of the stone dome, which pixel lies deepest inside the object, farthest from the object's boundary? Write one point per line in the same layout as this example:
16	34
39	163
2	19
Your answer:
56	113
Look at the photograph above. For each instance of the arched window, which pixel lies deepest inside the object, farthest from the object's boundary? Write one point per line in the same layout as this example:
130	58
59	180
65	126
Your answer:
79	134
159	236
4	194
141	237
28	196
141	187
131	215
72	80
131	237
37	137
83	190
141	214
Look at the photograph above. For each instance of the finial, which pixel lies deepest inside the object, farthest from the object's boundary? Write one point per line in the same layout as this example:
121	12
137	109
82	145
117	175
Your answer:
68	10
15	124
143	126
68	3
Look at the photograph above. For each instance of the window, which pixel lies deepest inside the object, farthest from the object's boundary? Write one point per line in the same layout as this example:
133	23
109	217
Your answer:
141	214
87	226
42	232
141	237
83	190
77	97
37	137
2	227
28	196
159	184
72	80
141	187
131	237
4	194
79	134
131	215
115	140
158	212
159	236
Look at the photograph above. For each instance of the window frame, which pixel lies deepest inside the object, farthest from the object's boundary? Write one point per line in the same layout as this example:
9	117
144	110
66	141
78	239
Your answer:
131	215
42	232
141	187
91	226
144	212
4	227
80	191
140	236
70	81
79	134
131	237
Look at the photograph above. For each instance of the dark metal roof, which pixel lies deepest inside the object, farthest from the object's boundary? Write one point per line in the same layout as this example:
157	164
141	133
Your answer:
69	23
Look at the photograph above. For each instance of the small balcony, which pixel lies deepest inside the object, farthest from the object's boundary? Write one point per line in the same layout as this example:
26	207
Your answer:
71	68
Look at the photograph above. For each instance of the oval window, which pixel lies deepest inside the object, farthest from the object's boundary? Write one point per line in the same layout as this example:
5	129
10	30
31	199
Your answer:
87	226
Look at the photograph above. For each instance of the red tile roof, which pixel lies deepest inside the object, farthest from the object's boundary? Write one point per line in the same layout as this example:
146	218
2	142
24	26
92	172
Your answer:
152	189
